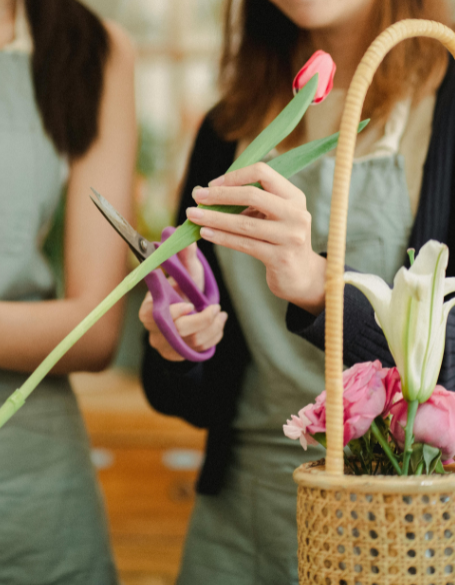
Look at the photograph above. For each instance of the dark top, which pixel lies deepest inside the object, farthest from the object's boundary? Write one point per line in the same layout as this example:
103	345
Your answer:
206	394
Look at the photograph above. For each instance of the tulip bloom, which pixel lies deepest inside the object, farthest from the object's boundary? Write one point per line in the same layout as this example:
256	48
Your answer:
434	422
413	317
322	64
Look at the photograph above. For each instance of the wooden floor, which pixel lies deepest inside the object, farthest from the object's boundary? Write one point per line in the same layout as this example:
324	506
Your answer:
147	465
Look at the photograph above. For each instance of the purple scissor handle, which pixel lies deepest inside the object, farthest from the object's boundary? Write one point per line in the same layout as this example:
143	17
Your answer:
164	296
161	290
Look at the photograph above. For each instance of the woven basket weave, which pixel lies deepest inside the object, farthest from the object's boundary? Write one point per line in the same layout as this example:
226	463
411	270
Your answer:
368	530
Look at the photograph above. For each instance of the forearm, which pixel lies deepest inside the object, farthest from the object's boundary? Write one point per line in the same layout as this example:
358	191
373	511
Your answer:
31	330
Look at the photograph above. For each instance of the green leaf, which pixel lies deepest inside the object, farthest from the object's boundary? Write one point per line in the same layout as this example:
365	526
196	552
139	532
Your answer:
439	468
295	160
280	128
416	456
431	455
291	162
321	439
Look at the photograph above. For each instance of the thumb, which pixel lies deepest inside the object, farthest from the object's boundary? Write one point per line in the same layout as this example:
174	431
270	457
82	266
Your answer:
189	259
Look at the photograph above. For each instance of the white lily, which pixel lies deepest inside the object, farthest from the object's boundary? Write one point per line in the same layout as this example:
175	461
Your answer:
413	316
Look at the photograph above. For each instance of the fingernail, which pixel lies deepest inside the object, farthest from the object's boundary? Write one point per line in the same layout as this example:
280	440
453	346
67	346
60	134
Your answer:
217	182
200	194
194	213
223	317
215	310
207	233
189	307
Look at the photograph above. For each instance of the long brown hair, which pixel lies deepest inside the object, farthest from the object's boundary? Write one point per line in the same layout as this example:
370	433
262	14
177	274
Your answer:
71	47
263	51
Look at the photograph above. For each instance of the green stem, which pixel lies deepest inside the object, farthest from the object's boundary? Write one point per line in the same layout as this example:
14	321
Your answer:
387	450
419	469
182	238
409	434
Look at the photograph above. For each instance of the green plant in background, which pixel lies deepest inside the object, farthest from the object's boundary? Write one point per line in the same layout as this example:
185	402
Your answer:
148	155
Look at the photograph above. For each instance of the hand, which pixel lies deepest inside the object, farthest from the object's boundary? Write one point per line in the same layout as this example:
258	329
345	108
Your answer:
200	331
275	228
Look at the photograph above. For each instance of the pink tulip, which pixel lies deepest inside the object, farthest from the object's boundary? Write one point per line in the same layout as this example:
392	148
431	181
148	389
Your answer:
434	423
369	391
321	63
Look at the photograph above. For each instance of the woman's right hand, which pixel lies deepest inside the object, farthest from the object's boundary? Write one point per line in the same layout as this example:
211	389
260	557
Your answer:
199	331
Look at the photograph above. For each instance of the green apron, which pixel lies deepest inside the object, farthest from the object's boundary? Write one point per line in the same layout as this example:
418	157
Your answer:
52	523
247	534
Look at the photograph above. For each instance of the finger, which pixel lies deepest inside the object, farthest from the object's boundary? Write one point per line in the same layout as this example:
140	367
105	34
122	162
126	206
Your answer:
191	324
208	337
189	259
257	249
176	310
260	173
243	225
248	196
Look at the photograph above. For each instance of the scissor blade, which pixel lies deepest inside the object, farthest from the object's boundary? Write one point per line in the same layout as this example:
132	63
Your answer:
140	247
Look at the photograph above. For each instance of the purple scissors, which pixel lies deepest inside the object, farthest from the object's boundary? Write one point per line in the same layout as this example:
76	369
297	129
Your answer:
162	292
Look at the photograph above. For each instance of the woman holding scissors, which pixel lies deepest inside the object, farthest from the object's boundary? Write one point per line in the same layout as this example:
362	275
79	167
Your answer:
66	116
269	263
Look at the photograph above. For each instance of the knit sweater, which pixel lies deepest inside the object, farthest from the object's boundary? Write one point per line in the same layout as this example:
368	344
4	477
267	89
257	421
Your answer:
206	394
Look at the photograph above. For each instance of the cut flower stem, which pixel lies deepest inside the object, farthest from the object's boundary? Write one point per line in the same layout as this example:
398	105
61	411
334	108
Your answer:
384	444
409	434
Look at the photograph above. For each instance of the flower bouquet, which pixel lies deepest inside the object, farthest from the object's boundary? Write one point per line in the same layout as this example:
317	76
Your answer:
396	420
380	509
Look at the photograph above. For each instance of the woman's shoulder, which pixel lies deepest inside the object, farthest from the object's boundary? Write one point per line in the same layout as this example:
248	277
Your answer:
122	47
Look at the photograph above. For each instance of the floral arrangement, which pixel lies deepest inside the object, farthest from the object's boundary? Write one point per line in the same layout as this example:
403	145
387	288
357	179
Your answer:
396	420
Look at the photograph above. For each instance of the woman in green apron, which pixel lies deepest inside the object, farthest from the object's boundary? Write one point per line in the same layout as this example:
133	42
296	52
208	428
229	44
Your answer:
269	266
66	117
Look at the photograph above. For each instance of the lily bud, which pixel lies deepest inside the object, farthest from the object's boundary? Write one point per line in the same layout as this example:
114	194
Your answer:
322	64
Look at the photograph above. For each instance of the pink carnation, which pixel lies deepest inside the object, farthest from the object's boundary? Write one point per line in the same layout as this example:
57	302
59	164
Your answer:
369	391
434	423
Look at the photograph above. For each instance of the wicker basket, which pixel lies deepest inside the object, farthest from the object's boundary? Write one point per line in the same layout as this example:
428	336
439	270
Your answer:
368	530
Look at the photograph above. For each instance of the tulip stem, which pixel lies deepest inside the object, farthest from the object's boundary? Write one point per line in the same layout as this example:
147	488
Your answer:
409	434
384	444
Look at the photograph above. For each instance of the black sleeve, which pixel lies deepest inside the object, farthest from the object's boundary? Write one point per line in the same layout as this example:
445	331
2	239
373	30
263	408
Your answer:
204	394
363	340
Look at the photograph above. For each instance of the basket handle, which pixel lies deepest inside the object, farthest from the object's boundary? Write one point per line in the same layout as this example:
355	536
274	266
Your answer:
336	250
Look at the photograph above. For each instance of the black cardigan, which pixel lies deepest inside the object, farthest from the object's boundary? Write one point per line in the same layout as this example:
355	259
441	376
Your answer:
206	394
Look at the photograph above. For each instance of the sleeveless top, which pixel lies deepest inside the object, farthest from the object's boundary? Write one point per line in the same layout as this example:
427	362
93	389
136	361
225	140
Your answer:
52	527
32	177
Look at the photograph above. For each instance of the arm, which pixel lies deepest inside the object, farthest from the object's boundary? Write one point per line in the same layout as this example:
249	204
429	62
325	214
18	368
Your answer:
95	257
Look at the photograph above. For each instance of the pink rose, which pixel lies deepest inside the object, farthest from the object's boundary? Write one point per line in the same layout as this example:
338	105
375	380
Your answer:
321	63
296	429
392	383
369	391
434	423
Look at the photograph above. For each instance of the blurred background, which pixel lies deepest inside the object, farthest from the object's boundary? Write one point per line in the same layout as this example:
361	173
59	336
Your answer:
146	463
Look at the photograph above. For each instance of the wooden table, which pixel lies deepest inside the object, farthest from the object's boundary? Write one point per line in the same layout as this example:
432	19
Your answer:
147	465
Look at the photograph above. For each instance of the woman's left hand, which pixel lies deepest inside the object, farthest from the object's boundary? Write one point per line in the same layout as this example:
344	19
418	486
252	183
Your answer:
275	228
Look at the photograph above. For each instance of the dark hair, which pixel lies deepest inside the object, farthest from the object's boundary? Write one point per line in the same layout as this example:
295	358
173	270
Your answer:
263	50
71	48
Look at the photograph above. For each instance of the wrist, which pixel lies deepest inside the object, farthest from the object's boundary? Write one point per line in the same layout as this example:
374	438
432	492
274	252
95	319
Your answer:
311	295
